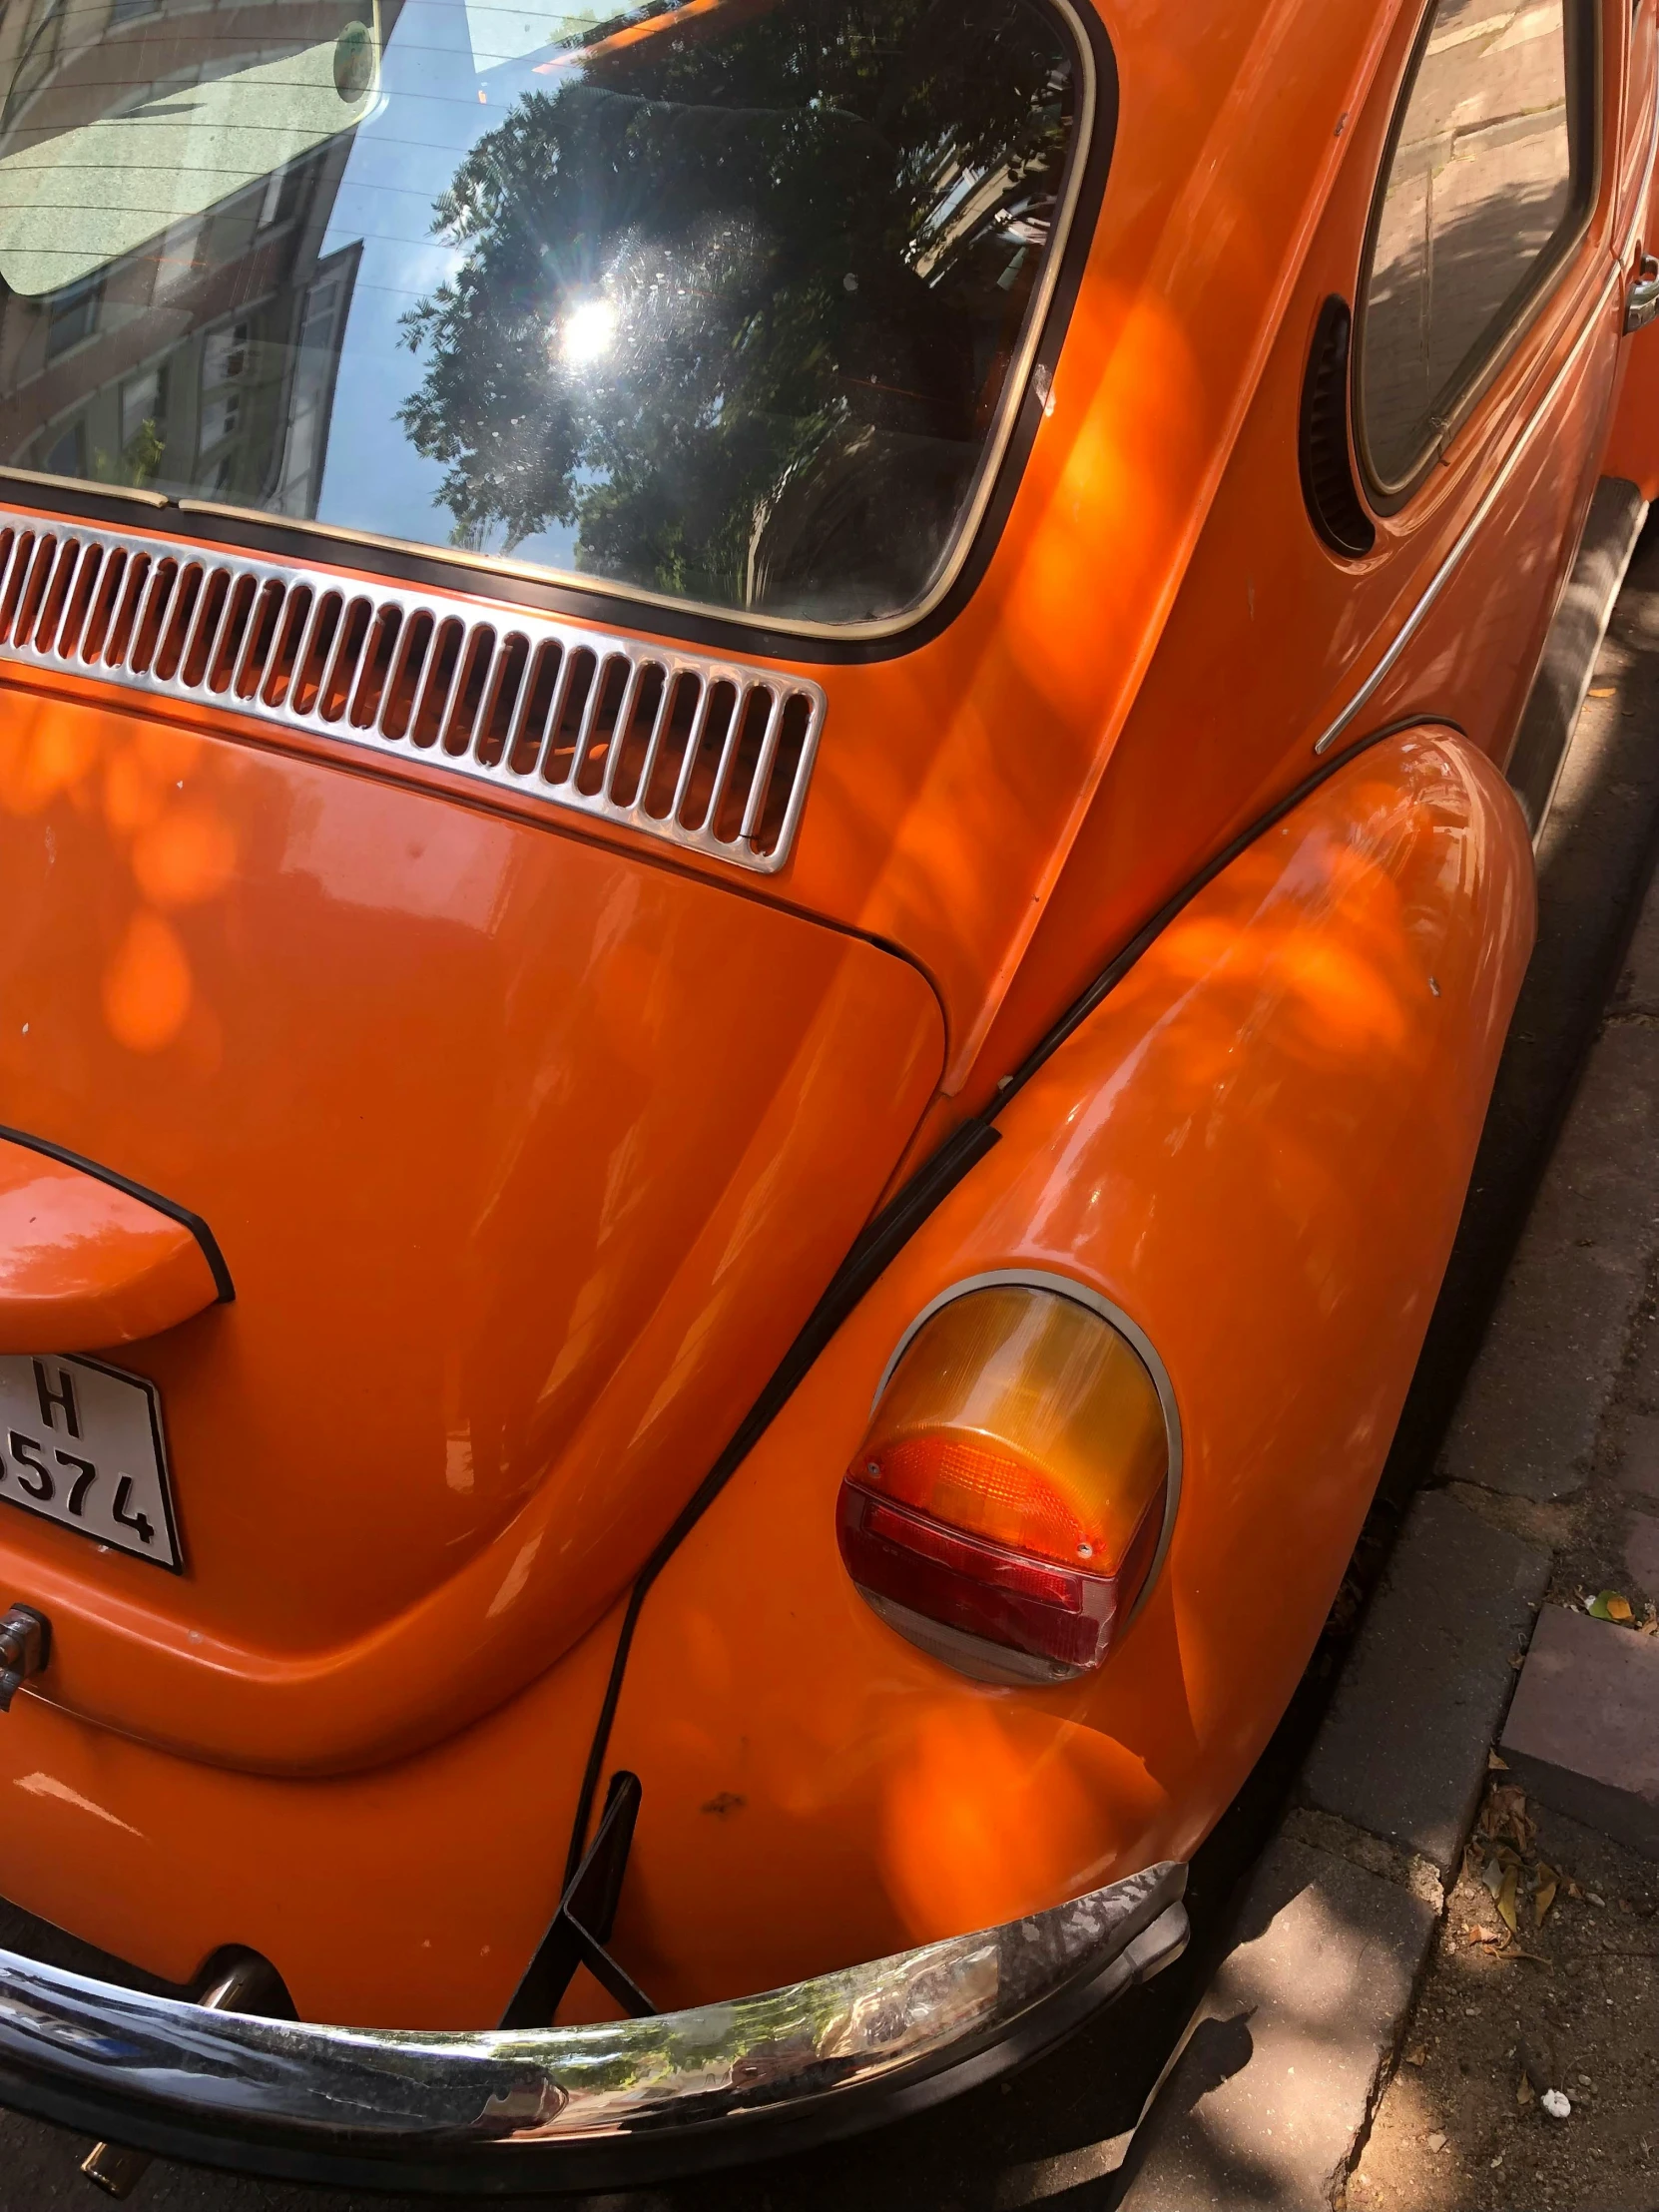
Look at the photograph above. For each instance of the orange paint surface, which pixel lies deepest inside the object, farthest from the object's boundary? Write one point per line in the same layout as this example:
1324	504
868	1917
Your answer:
410	1896
147	985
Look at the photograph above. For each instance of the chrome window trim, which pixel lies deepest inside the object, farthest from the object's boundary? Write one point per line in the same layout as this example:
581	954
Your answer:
1081	1294
64	652
39	479
1466	536
963	541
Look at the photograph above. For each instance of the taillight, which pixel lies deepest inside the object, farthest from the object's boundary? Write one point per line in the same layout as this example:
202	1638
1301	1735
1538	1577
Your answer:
1010	1500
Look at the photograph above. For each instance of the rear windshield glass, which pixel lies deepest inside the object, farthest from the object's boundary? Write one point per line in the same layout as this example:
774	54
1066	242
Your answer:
723	299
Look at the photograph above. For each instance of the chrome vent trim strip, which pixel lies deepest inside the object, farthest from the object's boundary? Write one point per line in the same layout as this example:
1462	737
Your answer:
705	754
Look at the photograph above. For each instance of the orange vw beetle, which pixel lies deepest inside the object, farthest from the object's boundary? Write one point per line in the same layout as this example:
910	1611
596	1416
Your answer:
761	860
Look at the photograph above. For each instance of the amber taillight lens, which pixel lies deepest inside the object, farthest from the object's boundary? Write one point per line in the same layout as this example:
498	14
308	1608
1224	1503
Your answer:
1005	1508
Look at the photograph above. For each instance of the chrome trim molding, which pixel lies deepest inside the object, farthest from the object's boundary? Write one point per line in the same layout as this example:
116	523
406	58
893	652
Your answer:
560	2107
37	480
1067	1285
688	749
1466	536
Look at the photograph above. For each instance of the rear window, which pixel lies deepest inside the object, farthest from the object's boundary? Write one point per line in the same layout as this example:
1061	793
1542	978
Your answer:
727	302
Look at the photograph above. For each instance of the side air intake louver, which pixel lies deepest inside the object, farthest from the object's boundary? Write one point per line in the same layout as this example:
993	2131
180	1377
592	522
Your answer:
703	752
1326	474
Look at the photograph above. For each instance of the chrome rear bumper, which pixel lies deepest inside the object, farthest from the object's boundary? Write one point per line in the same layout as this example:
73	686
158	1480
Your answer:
504	2112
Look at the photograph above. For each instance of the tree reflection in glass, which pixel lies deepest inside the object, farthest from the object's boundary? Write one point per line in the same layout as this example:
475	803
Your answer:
739	288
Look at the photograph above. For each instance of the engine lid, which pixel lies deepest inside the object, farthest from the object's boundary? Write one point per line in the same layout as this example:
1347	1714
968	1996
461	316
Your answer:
527	1156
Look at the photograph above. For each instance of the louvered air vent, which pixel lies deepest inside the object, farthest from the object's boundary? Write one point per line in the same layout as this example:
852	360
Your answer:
1326	474
704	753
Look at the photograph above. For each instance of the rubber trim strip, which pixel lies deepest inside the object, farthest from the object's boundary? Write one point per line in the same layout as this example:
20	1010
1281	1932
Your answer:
170	1206
893	1228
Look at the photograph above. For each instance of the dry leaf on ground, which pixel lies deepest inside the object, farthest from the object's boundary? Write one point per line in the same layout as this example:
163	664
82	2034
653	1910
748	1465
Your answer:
1505	1819
1609	1605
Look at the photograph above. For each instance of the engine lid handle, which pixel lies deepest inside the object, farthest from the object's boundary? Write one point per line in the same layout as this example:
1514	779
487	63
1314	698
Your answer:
89	1259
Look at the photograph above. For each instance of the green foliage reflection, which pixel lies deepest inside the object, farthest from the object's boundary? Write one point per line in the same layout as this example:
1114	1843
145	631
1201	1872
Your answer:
740	290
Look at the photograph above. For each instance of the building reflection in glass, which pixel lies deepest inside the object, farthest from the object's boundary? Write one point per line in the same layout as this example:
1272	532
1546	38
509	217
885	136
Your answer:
171	318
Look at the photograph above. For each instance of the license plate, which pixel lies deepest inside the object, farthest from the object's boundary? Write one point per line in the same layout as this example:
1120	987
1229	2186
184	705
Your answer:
82	1445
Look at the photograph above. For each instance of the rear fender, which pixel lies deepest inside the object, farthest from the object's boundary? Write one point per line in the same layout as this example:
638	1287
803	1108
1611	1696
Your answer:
1256	1147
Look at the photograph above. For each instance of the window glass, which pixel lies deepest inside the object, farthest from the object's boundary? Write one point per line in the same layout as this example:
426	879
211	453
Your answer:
1487	181
714	298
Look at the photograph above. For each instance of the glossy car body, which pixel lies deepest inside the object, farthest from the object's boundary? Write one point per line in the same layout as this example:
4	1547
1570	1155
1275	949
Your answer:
1159	878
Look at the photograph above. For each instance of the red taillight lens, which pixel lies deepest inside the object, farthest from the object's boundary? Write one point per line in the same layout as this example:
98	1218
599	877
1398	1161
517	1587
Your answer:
1006	1506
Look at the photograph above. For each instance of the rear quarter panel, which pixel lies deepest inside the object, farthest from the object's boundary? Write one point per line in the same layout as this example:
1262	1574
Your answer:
1256	1147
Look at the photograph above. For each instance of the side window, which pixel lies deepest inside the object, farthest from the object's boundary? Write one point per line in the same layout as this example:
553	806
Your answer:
1487	185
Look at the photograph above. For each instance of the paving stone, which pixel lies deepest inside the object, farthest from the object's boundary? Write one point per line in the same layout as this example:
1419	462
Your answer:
1641	1556
1639	1458
1526	1421
1277	2077
1583	1731
1303	1824
1402	1750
